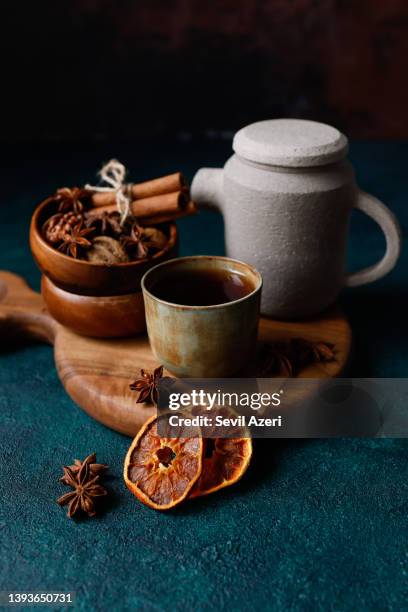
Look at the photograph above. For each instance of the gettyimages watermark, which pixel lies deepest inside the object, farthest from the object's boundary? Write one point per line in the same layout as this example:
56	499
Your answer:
283	408
209	400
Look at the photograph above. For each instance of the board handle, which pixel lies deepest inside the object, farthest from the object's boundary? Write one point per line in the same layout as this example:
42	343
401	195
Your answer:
23	313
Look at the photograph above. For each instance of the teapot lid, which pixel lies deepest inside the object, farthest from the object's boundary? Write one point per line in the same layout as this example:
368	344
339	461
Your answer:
290	142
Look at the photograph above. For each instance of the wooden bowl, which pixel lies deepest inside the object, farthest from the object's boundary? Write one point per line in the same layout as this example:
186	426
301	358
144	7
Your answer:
112	316
86	278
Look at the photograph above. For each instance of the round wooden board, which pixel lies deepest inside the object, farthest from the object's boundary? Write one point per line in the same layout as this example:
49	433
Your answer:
96	373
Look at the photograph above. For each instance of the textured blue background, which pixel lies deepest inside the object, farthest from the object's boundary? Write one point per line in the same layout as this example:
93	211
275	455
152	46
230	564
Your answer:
315	525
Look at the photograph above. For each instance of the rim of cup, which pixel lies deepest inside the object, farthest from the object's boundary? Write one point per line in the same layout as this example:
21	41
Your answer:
179	261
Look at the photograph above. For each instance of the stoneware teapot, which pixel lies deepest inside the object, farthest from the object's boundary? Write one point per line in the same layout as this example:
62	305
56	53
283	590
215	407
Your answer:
287	195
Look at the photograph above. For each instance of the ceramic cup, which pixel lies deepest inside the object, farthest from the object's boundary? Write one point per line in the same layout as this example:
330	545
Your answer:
203	341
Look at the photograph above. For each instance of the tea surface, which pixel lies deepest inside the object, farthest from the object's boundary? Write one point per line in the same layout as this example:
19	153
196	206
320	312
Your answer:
202	287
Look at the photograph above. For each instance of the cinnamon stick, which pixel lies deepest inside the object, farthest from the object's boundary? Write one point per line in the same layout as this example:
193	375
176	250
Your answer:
171	183
166	204
158	186
188	210
156	216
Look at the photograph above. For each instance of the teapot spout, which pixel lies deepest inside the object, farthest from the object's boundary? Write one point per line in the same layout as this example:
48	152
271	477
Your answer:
207	188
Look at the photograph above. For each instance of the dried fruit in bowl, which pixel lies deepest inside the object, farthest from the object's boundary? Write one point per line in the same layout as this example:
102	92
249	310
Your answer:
106	250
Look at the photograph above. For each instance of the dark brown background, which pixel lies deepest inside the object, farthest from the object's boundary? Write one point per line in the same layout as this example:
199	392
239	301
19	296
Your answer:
103	69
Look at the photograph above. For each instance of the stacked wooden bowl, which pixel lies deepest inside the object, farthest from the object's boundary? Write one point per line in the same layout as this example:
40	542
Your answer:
90	298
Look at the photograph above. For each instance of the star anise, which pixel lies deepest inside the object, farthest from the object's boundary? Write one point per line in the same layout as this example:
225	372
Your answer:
306	352
288	359
155	238
75	240
142	241
147	386
85	488
136	244
96	469
275	361
105	224
71	199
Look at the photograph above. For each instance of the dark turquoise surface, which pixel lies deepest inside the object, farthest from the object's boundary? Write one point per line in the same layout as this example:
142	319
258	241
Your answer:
315	525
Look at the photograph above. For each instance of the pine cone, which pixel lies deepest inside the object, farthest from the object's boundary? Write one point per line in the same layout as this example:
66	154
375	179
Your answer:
59	224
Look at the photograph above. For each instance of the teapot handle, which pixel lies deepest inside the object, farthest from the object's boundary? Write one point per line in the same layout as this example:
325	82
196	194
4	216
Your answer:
392	231
207	188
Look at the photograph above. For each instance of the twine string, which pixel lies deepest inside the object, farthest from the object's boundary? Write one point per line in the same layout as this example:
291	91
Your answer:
113	173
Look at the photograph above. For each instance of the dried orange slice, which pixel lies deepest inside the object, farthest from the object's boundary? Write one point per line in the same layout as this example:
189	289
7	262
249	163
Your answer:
161	471
225	462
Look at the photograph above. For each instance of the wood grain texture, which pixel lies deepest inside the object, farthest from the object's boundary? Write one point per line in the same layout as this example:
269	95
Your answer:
96	373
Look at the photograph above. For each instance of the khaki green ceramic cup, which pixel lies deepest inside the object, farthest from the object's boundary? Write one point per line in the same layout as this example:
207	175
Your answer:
214	340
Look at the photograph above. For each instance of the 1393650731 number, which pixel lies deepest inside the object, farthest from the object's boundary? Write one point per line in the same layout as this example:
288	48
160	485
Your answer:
12	598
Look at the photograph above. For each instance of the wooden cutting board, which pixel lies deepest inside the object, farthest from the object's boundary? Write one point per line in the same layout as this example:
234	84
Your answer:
96	373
